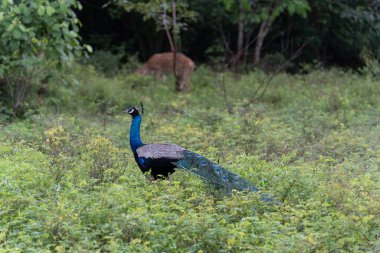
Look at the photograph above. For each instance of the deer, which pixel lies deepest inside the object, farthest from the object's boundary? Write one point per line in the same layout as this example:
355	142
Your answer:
162	63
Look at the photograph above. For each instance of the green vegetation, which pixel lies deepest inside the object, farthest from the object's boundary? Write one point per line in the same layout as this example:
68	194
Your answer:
68	181
36	37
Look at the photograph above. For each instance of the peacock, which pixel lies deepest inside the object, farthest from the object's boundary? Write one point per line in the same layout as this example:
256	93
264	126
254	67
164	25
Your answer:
162	160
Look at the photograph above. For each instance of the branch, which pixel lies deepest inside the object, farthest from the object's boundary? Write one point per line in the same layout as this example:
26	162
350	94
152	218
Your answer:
264	86
166	28
174	48
229	108
226	43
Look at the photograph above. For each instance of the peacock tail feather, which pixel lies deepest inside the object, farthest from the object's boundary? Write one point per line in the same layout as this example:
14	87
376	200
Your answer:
212	172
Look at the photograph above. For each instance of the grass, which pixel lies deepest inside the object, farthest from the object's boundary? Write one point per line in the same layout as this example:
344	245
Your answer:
311	141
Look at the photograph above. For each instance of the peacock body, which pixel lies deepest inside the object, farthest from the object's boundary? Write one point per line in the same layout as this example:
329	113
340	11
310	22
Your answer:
162	160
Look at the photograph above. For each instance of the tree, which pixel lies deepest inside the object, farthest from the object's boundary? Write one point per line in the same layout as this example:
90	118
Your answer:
250	12
171	17
341	30
266	13
353	25
33	31
238	11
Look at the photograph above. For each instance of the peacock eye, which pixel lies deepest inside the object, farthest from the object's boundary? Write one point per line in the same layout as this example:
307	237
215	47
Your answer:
203	163
131	110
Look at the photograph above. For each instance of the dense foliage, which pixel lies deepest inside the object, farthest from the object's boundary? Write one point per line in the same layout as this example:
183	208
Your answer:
68	181
33	32
340	29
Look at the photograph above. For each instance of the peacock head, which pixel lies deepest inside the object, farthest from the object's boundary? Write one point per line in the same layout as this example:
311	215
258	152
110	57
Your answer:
132	111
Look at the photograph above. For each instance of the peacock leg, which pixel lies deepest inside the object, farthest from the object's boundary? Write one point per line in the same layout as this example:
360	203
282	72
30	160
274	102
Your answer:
170	179
150	179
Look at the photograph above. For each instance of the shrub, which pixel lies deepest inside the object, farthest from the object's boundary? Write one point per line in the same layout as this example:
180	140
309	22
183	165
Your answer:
104	162
31	32
61	150
105	62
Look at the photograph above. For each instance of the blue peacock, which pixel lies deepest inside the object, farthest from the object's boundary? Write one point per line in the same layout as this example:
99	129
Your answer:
162	160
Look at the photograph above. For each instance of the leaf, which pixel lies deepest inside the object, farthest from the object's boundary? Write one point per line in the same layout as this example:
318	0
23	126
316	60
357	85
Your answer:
88	48
56	27
26	11
16	34
17	10
10	27
231	242
22	28
41	10
3	237
50	10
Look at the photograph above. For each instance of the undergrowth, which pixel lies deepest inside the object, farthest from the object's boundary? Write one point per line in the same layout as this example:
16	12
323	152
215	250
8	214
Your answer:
68	181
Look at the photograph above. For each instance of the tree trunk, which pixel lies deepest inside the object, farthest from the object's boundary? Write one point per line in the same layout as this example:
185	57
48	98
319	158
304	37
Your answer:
247	43
263	32
178	85
240	39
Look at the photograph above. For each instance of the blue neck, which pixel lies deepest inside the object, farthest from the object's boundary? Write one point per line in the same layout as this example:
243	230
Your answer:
134	134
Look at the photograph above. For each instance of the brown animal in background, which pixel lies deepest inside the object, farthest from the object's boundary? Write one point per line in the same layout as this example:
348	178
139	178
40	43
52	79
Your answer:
41	92
160	64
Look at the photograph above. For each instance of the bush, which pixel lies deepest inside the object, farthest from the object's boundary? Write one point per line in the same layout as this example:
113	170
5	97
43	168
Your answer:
372	65
32	32
105	62
104	162
61	150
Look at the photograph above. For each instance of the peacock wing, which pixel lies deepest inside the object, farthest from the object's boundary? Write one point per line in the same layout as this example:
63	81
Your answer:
160	151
